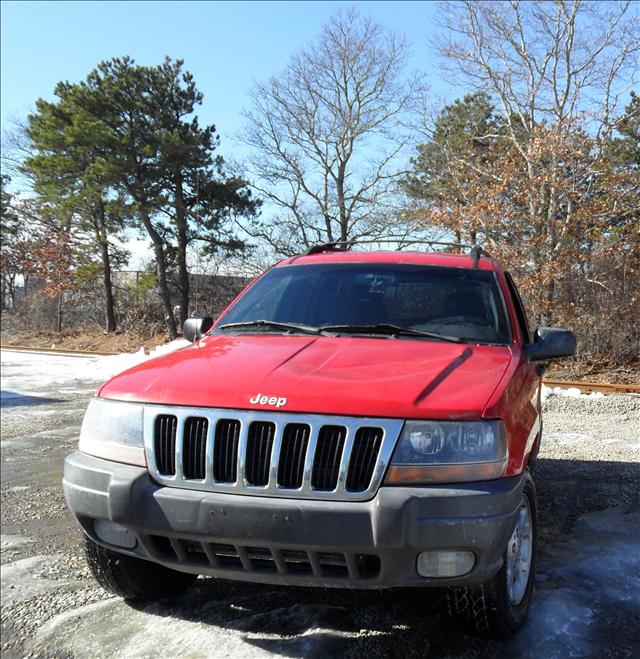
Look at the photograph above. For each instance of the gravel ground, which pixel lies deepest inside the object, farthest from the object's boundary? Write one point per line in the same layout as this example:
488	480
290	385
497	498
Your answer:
587	603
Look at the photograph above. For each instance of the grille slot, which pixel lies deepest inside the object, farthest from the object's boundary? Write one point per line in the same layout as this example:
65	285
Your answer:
166	428
259	445
364	455
326	462
194	447
261	559
296	562
292	455
225	451
333	565
225	555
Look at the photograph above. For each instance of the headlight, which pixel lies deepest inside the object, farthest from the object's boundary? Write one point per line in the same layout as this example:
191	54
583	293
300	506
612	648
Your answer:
449	451
113	430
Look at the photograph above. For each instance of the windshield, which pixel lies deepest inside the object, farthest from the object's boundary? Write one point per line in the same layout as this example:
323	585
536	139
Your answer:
457	303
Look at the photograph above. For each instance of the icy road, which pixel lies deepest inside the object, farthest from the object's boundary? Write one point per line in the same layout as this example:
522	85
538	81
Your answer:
587	602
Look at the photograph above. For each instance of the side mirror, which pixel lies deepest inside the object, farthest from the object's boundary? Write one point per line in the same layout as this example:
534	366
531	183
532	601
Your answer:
195	328
550	343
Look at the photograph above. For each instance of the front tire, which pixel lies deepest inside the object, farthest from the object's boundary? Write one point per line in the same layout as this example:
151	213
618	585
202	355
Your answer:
499	607
134	578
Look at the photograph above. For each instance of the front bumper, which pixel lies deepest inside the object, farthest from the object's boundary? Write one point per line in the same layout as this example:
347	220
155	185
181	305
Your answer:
364	544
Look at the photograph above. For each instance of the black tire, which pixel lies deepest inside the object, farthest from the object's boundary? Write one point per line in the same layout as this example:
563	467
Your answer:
487	609
134	578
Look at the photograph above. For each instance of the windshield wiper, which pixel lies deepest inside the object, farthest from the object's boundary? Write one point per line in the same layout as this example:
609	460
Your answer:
271	324
388	328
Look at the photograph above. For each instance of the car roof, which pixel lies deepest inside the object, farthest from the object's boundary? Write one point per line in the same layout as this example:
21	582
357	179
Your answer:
393	256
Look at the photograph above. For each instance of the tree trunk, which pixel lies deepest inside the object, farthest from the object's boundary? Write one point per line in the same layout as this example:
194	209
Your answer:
161	271
549	303
341	201
59	314
183	273
12	291
101	235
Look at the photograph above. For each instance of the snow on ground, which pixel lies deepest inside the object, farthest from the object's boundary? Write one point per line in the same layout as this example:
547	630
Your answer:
570	392
106	367
26	374
587	581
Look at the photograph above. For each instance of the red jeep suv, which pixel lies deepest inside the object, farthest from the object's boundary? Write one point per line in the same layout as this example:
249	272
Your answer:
353	419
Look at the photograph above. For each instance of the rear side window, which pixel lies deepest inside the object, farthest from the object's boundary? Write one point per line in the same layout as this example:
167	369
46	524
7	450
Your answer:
521	314
459	302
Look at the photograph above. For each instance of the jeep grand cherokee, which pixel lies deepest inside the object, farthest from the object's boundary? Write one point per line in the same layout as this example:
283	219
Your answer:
353	419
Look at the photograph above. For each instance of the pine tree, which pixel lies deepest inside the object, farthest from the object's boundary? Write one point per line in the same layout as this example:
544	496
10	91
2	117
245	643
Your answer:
74	176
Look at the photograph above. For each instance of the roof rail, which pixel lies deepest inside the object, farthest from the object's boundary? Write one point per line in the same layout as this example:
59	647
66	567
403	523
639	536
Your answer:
330	247
475	251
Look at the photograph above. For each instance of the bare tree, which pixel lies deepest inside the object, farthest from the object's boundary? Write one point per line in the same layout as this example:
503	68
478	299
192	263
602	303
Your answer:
556	70
551	62
328	135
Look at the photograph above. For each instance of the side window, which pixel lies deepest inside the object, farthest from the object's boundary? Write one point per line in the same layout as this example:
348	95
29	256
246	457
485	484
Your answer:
520	312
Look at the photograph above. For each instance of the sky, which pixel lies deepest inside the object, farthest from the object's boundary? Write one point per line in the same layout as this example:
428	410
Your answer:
226	45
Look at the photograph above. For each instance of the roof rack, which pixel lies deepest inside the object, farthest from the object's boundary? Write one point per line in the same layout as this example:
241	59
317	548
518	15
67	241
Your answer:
475	251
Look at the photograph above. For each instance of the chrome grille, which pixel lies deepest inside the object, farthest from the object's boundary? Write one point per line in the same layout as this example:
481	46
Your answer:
268	453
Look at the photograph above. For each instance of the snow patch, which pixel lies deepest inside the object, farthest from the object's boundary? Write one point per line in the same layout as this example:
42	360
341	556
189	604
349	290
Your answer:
112	629
586	582
13	541
22	579
32	374
567	437
104	368
571	392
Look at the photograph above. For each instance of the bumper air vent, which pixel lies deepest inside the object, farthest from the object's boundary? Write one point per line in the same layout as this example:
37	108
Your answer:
285	562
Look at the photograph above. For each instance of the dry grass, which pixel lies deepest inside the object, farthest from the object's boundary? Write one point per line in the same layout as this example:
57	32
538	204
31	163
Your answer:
84	340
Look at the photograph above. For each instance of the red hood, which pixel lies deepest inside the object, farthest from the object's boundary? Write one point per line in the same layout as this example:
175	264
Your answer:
348	376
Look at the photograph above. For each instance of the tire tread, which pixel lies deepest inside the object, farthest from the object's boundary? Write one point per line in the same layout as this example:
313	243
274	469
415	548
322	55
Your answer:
133	578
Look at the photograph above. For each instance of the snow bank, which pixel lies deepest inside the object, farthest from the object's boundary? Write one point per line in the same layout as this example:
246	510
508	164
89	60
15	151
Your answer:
571	392
103	368
36	373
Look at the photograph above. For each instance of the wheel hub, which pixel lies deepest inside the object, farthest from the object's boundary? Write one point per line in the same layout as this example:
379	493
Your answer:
519	554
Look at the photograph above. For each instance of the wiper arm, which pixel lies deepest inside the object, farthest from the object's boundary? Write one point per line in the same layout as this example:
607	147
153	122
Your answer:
388	328
306	329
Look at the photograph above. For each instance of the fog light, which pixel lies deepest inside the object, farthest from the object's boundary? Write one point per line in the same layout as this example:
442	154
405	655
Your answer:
445	563
114	534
